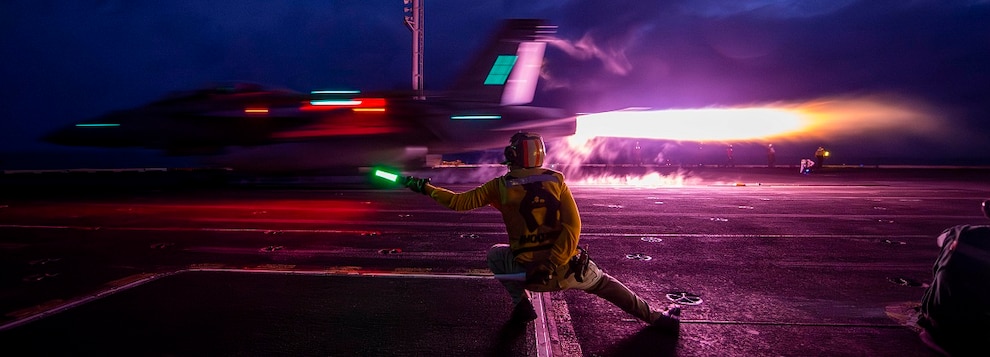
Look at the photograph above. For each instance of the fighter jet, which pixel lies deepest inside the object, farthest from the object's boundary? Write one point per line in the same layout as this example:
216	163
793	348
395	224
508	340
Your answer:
251	128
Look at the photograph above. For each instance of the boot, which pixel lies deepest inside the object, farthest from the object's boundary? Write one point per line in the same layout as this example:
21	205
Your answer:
523	312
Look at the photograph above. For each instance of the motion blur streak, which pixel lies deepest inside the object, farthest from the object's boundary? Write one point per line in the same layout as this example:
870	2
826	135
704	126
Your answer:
827	118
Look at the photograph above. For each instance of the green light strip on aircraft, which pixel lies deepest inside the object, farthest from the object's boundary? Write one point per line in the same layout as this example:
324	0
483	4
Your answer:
335	92
476	117
96	125
500	70
334	102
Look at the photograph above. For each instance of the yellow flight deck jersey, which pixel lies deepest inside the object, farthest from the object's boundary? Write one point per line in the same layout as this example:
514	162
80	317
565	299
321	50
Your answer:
540	215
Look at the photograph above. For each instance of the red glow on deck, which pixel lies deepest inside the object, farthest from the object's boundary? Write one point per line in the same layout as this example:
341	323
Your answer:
292	211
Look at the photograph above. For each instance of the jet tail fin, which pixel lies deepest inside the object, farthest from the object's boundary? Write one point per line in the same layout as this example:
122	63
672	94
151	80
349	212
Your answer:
507	69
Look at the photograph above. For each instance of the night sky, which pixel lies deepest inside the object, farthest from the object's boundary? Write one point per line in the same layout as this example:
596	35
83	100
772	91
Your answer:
65	61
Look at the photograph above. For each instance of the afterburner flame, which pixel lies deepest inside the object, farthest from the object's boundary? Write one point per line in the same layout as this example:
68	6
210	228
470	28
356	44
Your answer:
826	118
731	124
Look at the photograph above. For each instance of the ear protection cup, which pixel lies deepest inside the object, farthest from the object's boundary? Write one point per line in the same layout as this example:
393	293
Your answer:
511	156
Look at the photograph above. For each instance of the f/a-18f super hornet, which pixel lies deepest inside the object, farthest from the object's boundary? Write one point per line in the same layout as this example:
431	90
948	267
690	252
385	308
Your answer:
248	127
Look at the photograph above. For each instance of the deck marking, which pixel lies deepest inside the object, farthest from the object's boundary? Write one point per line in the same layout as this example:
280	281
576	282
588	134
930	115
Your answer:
540	325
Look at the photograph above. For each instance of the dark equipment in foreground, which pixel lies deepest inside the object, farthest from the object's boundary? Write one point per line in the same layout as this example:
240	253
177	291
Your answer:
956	307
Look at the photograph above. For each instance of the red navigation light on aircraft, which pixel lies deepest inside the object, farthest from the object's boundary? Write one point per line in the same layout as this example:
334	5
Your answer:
370	105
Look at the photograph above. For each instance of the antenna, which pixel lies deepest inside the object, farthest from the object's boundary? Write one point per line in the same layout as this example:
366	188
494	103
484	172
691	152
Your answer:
413	10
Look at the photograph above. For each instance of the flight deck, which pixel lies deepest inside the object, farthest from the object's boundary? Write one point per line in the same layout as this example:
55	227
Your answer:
763	262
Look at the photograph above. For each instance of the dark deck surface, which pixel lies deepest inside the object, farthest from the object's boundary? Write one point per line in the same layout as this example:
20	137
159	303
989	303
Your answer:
229	313
784	264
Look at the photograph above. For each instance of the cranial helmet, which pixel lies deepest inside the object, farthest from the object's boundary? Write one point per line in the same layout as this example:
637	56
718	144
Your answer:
525	150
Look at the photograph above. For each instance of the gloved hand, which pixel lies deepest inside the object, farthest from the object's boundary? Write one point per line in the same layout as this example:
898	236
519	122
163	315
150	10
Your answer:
541	273
578	265
416	184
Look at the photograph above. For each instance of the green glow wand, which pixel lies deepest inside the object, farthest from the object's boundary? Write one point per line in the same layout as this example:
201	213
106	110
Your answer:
388	175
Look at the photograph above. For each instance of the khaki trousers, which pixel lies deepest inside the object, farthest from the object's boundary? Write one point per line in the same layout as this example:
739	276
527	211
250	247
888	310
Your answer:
502	261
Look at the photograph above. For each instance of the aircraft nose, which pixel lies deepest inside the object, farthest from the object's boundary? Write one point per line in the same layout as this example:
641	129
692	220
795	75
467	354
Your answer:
106	130
86	134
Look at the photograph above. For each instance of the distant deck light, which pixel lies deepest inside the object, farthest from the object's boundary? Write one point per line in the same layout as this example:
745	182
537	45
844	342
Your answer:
256	111
476	117
369	110
96	125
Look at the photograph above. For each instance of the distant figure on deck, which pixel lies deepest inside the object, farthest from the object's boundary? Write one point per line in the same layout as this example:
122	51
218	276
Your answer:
820	155
730	160
771	156
637	154
955	309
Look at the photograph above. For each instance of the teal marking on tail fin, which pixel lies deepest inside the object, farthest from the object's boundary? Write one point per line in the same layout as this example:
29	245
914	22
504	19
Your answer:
500	70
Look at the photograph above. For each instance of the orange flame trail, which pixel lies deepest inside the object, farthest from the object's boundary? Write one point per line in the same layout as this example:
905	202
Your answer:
810	120
732	124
